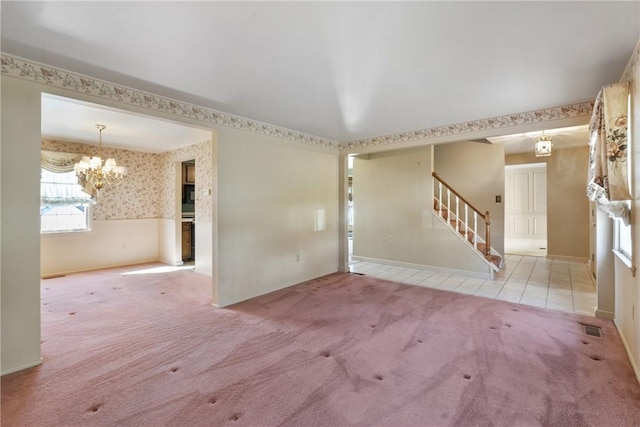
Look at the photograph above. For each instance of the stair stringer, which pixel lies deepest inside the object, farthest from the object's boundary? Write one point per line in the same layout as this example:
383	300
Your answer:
492	266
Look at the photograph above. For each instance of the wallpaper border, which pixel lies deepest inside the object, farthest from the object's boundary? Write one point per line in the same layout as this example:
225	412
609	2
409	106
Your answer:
40	73
632	65
33	71
537	116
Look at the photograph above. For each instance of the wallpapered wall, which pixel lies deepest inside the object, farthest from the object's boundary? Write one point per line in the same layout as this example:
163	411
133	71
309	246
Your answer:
149	189
202	153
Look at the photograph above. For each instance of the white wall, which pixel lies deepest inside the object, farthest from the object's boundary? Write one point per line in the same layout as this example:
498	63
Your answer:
392	201
169	243
270	192
108	244
20	236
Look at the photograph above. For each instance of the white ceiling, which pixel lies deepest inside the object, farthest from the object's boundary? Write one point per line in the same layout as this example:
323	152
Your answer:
340	70
72	120
560	138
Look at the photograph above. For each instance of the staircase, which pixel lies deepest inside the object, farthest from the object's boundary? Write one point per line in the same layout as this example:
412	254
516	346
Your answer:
462	218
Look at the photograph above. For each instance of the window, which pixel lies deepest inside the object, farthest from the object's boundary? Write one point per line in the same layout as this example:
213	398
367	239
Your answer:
64	206
624	238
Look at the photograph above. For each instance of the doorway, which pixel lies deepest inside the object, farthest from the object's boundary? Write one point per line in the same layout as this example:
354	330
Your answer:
188	211
526	209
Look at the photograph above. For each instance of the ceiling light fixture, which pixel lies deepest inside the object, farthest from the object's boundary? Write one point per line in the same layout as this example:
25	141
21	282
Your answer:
543	146
94	172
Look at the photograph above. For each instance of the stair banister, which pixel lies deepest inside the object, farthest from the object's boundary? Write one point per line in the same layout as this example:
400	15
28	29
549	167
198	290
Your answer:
443	182
486	216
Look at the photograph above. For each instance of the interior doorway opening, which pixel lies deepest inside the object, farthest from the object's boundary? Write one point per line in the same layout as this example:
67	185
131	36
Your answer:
525	204
188	211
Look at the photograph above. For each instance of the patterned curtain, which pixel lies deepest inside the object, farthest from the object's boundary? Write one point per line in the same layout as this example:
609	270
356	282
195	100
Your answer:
58	184
608	178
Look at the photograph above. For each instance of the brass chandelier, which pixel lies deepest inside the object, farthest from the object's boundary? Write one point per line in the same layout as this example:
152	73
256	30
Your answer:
97	174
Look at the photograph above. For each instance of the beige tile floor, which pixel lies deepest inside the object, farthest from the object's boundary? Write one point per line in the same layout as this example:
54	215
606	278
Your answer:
540	282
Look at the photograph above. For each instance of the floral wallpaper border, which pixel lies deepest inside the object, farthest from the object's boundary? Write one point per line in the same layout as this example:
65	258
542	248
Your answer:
36	72
41	73
555	113
632	65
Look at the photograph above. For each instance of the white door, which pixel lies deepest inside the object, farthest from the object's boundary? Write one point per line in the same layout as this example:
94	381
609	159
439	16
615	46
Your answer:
525	204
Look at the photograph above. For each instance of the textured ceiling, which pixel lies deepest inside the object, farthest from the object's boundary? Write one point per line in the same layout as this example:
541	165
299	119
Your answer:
338	70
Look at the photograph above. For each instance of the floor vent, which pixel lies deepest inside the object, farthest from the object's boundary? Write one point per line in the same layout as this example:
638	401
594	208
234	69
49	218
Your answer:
594	331
359	274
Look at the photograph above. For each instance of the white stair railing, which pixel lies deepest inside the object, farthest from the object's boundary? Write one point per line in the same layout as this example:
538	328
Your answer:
469	231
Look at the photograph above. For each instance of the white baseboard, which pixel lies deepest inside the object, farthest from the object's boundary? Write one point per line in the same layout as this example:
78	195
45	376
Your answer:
63	273
634	366
568	258
603	314
476	274
20	368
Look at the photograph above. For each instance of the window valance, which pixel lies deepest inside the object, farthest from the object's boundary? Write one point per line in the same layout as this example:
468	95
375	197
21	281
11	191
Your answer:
608	182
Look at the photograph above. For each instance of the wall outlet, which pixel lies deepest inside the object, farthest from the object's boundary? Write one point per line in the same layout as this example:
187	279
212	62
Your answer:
498	199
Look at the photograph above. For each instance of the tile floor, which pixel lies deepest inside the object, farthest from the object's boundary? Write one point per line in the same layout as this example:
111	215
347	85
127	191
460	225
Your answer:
540	282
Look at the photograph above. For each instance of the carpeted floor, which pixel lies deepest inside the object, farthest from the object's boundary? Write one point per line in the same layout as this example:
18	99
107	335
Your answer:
149	350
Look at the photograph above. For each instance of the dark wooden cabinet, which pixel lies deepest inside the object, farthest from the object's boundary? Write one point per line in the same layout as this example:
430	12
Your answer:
187	241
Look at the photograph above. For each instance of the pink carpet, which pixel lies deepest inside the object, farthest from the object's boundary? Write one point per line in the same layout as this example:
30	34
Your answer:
149	350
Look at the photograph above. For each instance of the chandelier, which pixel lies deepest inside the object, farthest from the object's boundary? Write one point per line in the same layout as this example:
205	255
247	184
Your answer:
92	170
543	146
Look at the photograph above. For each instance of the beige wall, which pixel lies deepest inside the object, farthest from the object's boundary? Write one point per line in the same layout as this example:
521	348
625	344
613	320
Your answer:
627	287
270	194
392	200
476	171
568	225
20	213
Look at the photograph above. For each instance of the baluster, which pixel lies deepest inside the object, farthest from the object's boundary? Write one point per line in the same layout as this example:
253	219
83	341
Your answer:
457	213
449	206
466	222
475	229
487	219
440	198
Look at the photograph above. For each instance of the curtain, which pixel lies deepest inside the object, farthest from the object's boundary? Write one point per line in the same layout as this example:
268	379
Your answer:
59	184
608	182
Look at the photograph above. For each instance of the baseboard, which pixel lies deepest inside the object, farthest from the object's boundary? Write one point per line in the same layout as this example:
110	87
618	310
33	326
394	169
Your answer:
476	274
603	314
126	264
202	272
634	366
20	368
583	260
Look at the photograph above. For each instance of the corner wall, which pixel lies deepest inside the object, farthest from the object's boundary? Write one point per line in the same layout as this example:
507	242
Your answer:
392	200
277	214
476	171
